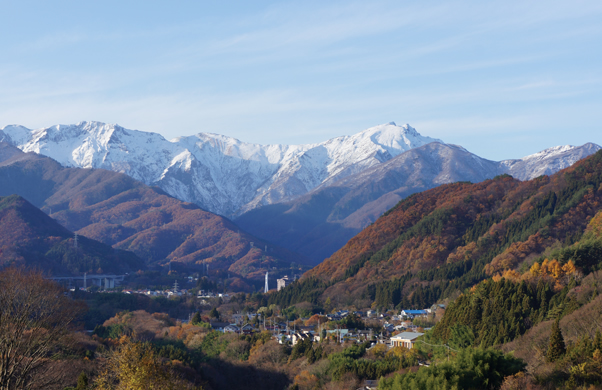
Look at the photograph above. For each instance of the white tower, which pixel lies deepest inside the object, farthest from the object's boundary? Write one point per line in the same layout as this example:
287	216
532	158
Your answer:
266	283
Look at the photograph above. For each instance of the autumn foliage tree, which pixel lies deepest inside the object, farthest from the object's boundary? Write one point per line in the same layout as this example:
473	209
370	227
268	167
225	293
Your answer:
35	319
136	366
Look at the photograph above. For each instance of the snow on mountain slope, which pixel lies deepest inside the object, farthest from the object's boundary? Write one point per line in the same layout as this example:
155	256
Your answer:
321	222
230	177
547	161
220	173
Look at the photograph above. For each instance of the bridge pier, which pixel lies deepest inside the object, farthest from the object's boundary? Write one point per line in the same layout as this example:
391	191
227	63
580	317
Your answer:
109	283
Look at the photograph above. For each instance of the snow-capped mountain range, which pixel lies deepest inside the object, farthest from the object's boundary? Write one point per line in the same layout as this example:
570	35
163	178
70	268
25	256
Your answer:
229	177
221	174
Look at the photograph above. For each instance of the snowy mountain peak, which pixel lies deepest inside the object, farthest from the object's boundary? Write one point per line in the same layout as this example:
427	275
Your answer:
396	139
547	161
220	173
546	153
15	134
227	176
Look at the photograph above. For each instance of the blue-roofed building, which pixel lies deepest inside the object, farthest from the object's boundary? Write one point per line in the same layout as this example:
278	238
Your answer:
413	313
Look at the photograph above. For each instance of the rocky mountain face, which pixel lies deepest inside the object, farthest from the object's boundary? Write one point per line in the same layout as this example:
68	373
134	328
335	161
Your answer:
548	161
126	214
219	173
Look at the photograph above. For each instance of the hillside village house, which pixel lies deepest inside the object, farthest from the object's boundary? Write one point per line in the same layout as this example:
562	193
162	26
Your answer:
219	326
300	336
232	328
405	339
413	313
248	329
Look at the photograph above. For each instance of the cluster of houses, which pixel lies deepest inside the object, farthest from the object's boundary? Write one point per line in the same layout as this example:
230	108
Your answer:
282	331
397	330
284	334
153	293
202	295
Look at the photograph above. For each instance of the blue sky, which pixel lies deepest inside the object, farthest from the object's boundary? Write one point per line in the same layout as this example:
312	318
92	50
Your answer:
503	79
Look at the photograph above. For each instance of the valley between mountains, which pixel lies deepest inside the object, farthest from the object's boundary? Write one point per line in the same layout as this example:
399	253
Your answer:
412	263
128	215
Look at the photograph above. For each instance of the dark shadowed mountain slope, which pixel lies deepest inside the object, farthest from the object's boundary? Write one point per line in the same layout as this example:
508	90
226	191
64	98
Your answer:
28	237
120	211
321	222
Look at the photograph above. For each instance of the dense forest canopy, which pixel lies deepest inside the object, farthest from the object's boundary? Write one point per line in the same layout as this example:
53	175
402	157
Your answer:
437	243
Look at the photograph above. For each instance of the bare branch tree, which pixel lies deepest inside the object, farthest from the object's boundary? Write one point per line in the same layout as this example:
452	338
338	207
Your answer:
35	317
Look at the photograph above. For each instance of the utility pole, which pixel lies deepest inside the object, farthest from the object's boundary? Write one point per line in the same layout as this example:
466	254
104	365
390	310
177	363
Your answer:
319	330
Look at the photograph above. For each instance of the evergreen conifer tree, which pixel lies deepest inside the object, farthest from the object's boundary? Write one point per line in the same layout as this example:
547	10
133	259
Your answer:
196	318
598	340
214	314
556	347
82	382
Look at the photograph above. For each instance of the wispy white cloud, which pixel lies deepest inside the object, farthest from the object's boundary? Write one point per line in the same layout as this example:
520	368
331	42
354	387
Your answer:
316	69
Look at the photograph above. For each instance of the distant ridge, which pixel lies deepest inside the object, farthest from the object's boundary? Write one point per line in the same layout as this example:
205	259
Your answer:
322	221
219	173
307	198
121	212
548	161
28	237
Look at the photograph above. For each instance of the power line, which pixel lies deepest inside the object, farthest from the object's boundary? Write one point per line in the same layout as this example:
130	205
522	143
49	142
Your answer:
442	345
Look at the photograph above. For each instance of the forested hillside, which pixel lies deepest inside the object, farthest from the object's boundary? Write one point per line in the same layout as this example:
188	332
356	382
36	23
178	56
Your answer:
434	244
30	238
518	262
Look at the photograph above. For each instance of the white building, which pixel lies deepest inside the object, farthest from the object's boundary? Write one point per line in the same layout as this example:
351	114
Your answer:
405	339
283	282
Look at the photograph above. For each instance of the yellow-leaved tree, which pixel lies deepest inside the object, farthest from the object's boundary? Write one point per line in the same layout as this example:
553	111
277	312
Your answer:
135	366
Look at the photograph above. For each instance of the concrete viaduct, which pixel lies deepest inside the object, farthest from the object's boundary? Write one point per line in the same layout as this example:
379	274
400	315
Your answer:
108	281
